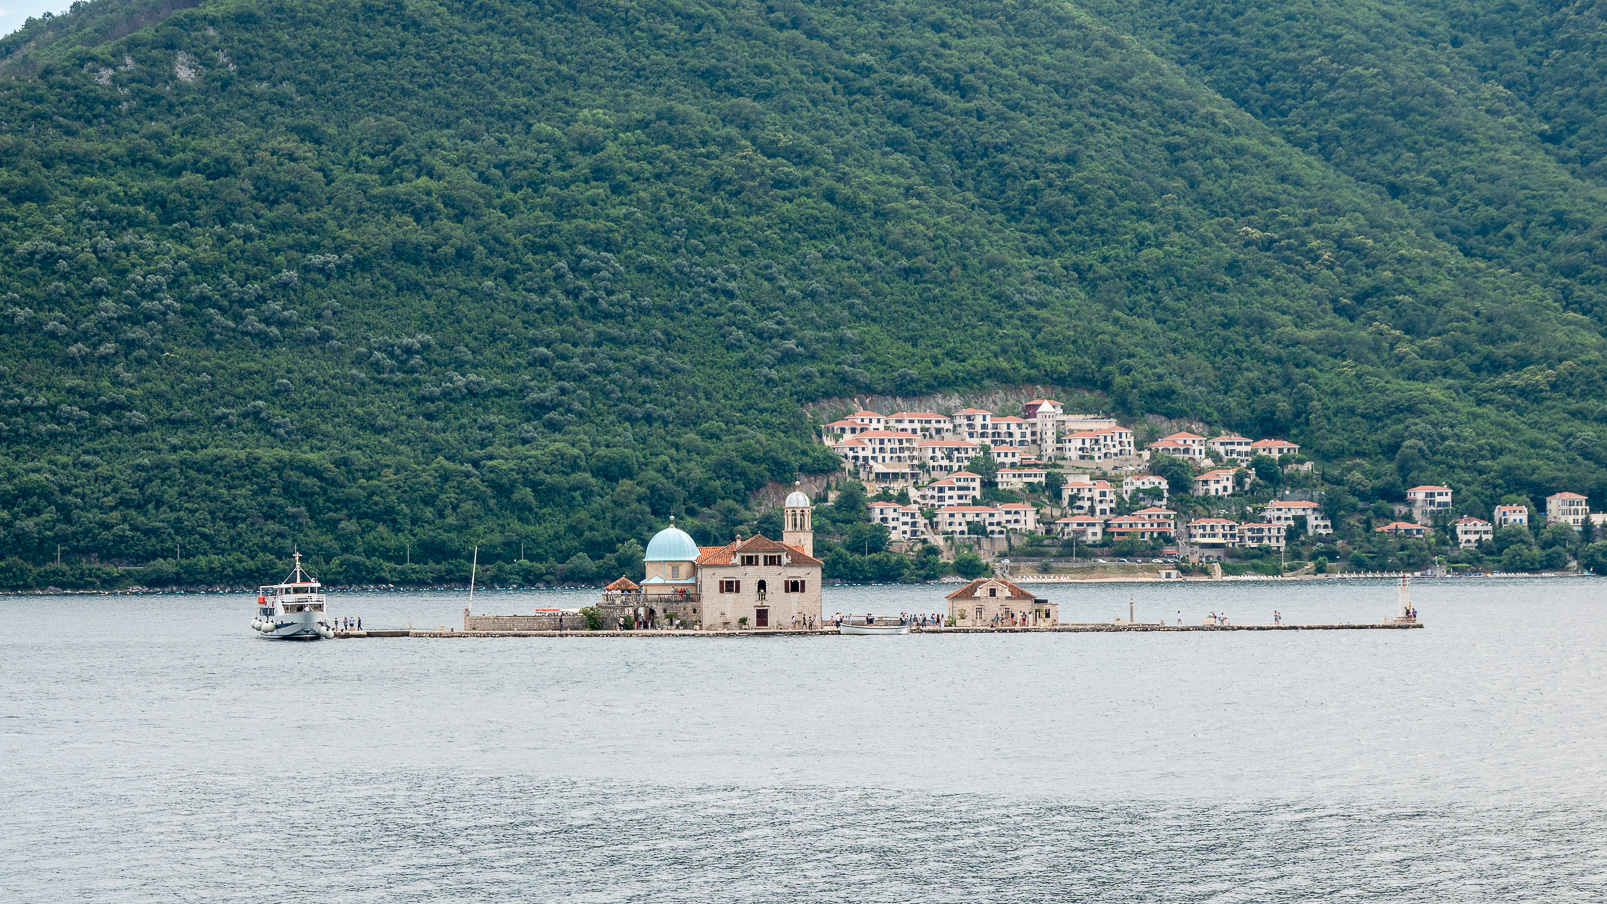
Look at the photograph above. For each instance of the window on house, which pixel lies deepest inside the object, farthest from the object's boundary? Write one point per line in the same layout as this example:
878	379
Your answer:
993	591
730	586
795	585
750	560
776	559
675	572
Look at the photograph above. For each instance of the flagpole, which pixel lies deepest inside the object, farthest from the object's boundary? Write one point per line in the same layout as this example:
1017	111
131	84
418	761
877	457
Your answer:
472	572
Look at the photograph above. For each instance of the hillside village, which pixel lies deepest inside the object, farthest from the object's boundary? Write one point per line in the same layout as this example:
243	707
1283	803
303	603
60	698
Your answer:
1046	480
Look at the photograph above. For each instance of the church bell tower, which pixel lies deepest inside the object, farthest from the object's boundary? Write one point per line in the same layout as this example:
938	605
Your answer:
797	529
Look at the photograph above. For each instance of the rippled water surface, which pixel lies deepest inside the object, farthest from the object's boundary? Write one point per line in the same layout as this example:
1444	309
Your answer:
152	749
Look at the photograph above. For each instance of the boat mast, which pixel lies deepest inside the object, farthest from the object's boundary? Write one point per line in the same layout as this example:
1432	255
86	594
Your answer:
472	571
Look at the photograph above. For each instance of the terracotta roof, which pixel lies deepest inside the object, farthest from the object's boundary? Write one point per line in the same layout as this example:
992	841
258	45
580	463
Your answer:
907	414
1180	436
1164	444
1400	526
964	474
1272	442
968	592
1219	472
1009	417
624	583
1469	519
888	434
949	442
965	508
975	411
1292	503
1210	521
1564	495
722	555
1430	487
1231	437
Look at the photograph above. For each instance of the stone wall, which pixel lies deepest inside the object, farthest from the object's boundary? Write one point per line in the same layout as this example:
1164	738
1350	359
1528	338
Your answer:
523	622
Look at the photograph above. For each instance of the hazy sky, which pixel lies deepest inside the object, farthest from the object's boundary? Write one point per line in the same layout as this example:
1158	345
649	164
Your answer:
15	12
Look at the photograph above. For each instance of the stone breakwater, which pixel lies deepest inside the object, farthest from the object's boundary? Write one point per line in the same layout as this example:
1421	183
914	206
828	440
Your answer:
1098	628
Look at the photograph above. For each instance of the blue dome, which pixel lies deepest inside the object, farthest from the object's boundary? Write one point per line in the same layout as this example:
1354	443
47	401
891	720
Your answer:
671	545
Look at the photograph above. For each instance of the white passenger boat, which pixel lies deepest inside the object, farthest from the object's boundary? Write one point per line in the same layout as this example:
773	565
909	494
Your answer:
293	610
851	628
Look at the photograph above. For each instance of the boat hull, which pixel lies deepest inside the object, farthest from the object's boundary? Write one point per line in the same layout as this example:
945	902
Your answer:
292	626
873	629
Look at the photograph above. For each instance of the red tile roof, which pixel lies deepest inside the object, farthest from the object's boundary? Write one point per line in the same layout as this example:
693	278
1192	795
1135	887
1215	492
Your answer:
969	591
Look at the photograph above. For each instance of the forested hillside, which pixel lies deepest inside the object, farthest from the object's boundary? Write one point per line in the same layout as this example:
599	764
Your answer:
390	279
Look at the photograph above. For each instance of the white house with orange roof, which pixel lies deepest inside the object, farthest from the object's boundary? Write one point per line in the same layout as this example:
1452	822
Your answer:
973	423
1013	431
1219	532
1102	444
903	521
844	427
1020	478
1511	514
1255	533
879	447
1006	456
1086	496
1404	529
1567	508
1174	448
1134	483
1427	501
944	456
1274	448
1137	527
1289	512
956	520
1157	513
1231	446
1088	530
1215	483
1192	440
1471	531
959	488
926	424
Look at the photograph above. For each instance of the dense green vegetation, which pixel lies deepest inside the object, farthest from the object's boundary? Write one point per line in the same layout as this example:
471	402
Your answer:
391	279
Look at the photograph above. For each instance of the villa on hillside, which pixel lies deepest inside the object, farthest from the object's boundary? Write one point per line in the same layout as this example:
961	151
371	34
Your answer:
1511	514
1567	508
1471	531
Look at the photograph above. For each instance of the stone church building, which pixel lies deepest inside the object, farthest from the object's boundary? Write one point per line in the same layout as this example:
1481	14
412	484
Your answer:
773	584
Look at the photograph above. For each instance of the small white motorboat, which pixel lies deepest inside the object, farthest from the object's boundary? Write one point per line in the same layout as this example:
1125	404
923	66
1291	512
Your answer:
851	628
293	610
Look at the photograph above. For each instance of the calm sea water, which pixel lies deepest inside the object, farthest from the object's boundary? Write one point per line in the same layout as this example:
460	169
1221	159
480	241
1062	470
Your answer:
152	749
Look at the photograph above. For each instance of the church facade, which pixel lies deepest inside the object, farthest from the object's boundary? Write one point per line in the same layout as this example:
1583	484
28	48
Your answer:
755	583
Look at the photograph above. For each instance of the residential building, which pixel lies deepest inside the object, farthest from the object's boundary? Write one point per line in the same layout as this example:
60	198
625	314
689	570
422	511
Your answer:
1175	448
845	427
1567	508
1231	446
1020	478
1094	445
1511	514
1273	448
1215	483
1136	482
1013	431
1471	531
1014	517
944	456
1290	511
1428	501
1087	496
996	601
1088	530
1218	532
1252	534
974	424
1156	513
1006	456
1193	442
921	423
1403	529
879	446
903	521
1137	527
959	488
